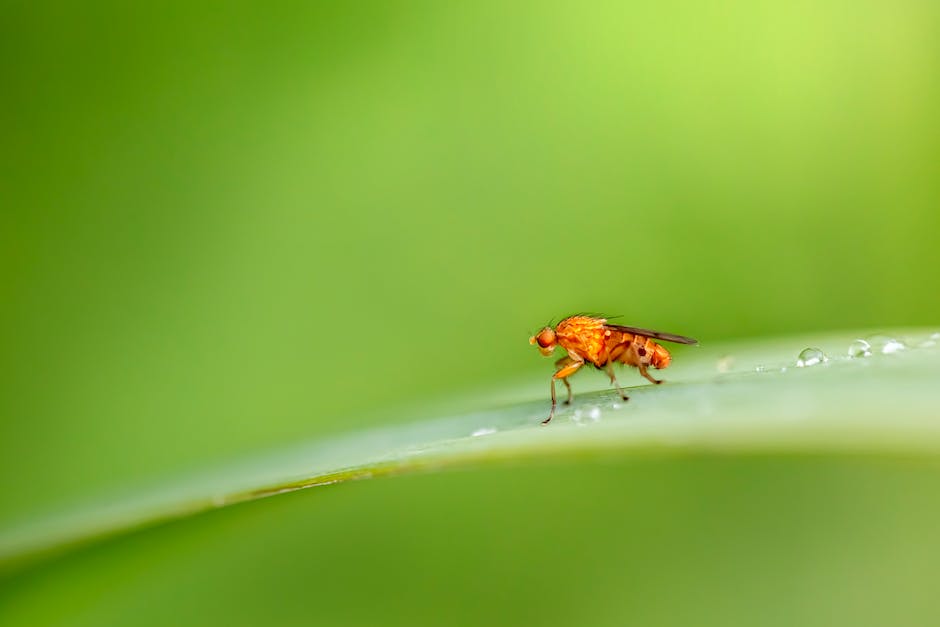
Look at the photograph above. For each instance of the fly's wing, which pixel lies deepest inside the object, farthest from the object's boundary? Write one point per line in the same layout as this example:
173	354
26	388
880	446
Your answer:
659	335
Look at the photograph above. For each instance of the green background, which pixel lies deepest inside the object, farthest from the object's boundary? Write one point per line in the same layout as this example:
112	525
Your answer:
227	226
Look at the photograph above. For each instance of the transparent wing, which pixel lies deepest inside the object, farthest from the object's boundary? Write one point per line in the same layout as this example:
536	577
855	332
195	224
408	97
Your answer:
659	335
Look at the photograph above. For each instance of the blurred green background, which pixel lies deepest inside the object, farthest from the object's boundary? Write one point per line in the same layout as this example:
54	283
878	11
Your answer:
691	541
230	225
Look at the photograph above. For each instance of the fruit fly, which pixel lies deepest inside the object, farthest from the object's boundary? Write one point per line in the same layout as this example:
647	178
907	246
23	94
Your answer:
591	339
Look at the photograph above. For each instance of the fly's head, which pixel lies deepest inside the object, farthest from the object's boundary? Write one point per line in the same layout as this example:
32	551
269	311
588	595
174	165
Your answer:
545	340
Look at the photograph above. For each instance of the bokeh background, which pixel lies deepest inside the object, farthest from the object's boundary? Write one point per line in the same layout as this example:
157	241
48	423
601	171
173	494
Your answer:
230	225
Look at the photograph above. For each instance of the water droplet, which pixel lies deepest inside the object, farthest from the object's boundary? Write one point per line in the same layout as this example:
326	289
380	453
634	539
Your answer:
616	406
930	341
893	347
725	362
811	357
859	348
483	431
885	344
583	417
760	368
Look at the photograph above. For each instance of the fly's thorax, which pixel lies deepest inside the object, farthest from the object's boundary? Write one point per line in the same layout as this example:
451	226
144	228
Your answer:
583	336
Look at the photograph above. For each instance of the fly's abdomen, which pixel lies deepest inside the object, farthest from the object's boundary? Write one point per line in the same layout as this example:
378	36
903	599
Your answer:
659	356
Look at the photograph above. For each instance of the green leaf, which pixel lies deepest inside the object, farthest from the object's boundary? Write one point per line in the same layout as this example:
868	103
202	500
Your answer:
743	397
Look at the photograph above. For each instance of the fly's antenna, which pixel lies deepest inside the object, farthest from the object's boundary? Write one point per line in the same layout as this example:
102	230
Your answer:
550	325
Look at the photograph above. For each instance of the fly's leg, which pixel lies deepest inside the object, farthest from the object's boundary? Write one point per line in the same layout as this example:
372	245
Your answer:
613	379
645	373
554	402
559	366
570	395
566	371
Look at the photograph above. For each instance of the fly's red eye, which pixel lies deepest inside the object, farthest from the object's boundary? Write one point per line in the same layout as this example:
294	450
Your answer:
546	338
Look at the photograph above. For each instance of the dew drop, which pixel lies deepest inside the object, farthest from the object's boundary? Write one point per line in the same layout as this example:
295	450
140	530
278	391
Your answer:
760	368
725	363
483	431
886	345
595	414
893	347
859	348
930	341
810	357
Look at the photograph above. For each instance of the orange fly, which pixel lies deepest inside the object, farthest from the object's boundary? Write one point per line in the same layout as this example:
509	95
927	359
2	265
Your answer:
590	339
